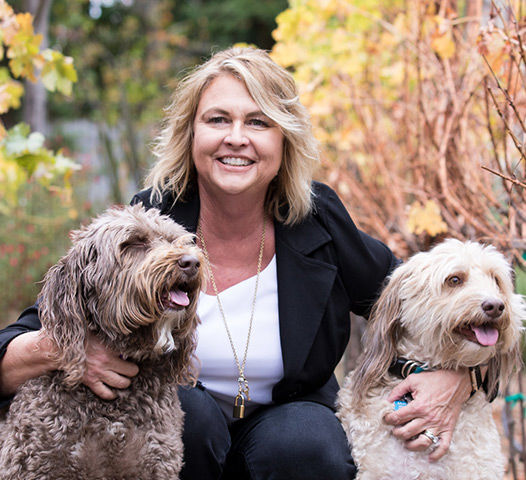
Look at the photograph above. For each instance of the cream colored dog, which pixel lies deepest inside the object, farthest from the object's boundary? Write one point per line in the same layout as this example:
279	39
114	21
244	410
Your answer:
450	307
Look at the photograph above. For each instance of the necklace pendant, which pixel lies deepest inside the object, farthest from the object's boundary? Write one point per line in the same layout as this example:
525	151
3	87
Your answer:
243	390
239	407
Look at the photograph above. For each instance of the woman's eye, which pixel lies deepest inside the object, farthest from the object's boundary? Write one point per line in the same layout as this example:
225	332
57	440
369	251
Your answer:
258	122
217	120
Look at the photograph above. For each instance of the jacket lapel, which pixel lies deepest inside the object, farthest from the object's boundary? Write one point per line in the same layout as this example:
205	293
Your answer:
185	212
304	286
304	283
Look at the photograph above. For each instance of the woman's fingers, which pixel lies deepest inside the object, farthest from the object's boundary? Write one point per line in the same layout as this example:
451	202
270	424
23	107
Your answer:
409	430
412	434
106	370
101	390
442	446
437	400
124	367
420	443
115	380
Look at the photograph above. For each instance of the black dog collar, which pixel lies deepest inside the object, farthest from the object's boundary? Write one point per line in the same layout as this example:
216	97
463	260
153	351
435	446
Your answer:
403	367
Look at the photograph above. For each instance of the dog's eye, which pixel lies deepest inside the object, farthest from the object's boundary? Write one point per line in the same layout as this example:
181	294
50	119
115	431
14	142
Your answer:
134	243
455	281
497	281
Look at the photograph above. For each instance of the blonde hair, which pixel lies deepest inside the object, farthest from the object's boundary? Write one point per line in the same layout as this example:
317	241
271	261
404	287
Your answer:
274	91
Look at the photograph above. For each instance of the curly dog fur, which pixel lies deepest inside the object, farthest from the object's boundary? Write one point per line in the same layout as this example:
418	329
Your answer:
444	307
131	278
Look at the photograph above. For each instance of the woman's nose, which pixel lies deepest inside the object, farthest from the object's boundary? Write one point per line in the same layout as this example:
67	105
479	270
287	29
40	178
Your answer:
237	135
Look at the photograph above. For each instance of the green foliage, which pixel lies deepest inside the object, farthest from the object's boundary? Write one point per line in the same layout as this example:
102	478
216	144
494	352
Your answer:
129	60
520	280
23	155
119	57
11	91
58	74
31	217
221	23
32	238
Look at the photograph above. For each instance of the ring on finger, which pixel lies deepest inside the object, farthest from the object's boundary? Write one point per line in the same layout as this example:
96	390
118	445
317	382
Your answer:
434	438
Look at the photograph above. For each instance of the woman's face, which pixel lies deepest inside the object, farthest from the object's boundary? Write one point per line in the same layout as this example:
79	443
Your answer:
236	148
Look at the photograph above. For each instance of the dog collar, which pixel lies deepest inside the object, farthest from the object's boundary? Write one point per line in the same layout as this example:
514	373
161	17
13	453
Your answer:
475	376
403	367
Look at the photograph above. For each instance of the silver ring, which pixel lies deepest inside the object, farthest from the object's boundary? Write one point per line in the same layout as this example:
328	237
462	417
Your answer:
434	439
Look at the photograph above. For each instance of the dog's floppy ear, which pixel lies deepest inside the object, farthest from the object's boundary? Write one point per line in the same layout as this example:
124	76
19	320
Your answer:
63	309
383	331
502	365
500	369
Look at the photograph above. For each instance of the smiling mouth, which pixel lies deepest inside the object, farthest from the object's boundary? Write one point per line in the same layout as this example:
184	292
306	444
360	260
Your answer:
485	334
235	161
175	299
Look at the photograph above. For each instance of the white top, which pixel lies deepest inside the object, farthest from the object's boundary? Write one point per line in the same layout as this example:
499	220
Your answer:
264	366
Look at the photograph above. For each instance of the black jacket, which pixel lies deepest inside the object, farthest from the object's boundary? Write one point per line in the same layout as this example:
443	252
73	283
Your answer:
326	268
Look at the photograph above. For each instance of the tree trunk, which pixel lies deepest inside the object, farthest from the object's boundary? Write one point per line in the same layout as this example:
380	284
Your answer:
112	163
35	101
133	156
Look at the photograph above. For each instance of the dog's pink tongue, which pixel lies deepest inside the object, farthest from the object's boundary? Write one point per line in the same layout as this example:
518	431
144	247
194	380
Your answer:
486	336
179	297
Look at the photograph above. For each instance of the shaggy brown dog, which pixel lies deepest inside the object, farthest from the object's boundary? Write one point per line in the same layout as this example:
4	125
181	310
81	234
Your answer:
132	278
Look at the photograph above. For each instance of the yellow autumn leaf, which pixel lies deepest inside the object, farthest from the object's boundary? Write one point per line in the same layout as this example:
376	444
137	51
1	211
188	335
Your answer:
393	73
24	48
286	54
58	72
443	44
401	24
340	41
426	219
495	50
25	23
244	45
9	28
10	95
5	9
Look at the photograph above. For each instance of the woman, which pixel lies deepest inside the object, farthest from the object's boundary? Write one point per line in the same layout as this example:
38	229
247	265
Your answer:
287	264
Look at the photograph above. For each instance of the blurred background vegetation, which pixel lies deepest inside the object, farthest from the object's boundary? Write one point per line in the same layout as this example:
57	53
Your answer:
127	56
418	106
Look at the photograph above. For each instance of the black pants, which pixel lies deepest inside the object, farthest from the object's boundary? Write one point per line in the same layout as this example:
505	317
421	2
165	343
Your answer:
298	440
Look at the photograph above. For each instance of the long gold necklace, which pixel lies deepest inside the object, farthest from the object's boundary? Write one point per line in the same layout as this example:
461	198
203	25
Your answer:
243	390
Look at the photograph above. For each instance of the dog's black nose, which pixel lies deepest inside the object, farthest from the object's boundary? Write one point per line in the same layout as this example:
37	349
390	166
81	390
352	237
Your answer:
188	263
493	308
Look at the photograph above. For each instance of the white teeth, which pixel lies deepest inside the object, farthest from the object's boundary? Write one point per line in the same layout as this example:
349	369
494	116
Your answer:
236	162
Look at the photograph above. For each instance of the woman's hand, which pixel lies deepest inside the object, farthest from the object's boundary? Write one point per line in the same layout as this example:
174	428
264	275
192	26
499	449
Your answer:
437	400
28	355
33	354
106	370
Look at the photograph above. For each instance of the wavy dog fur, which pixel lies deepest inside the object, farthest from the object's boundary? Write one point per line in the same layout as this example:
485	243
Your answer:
425	313
122	280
